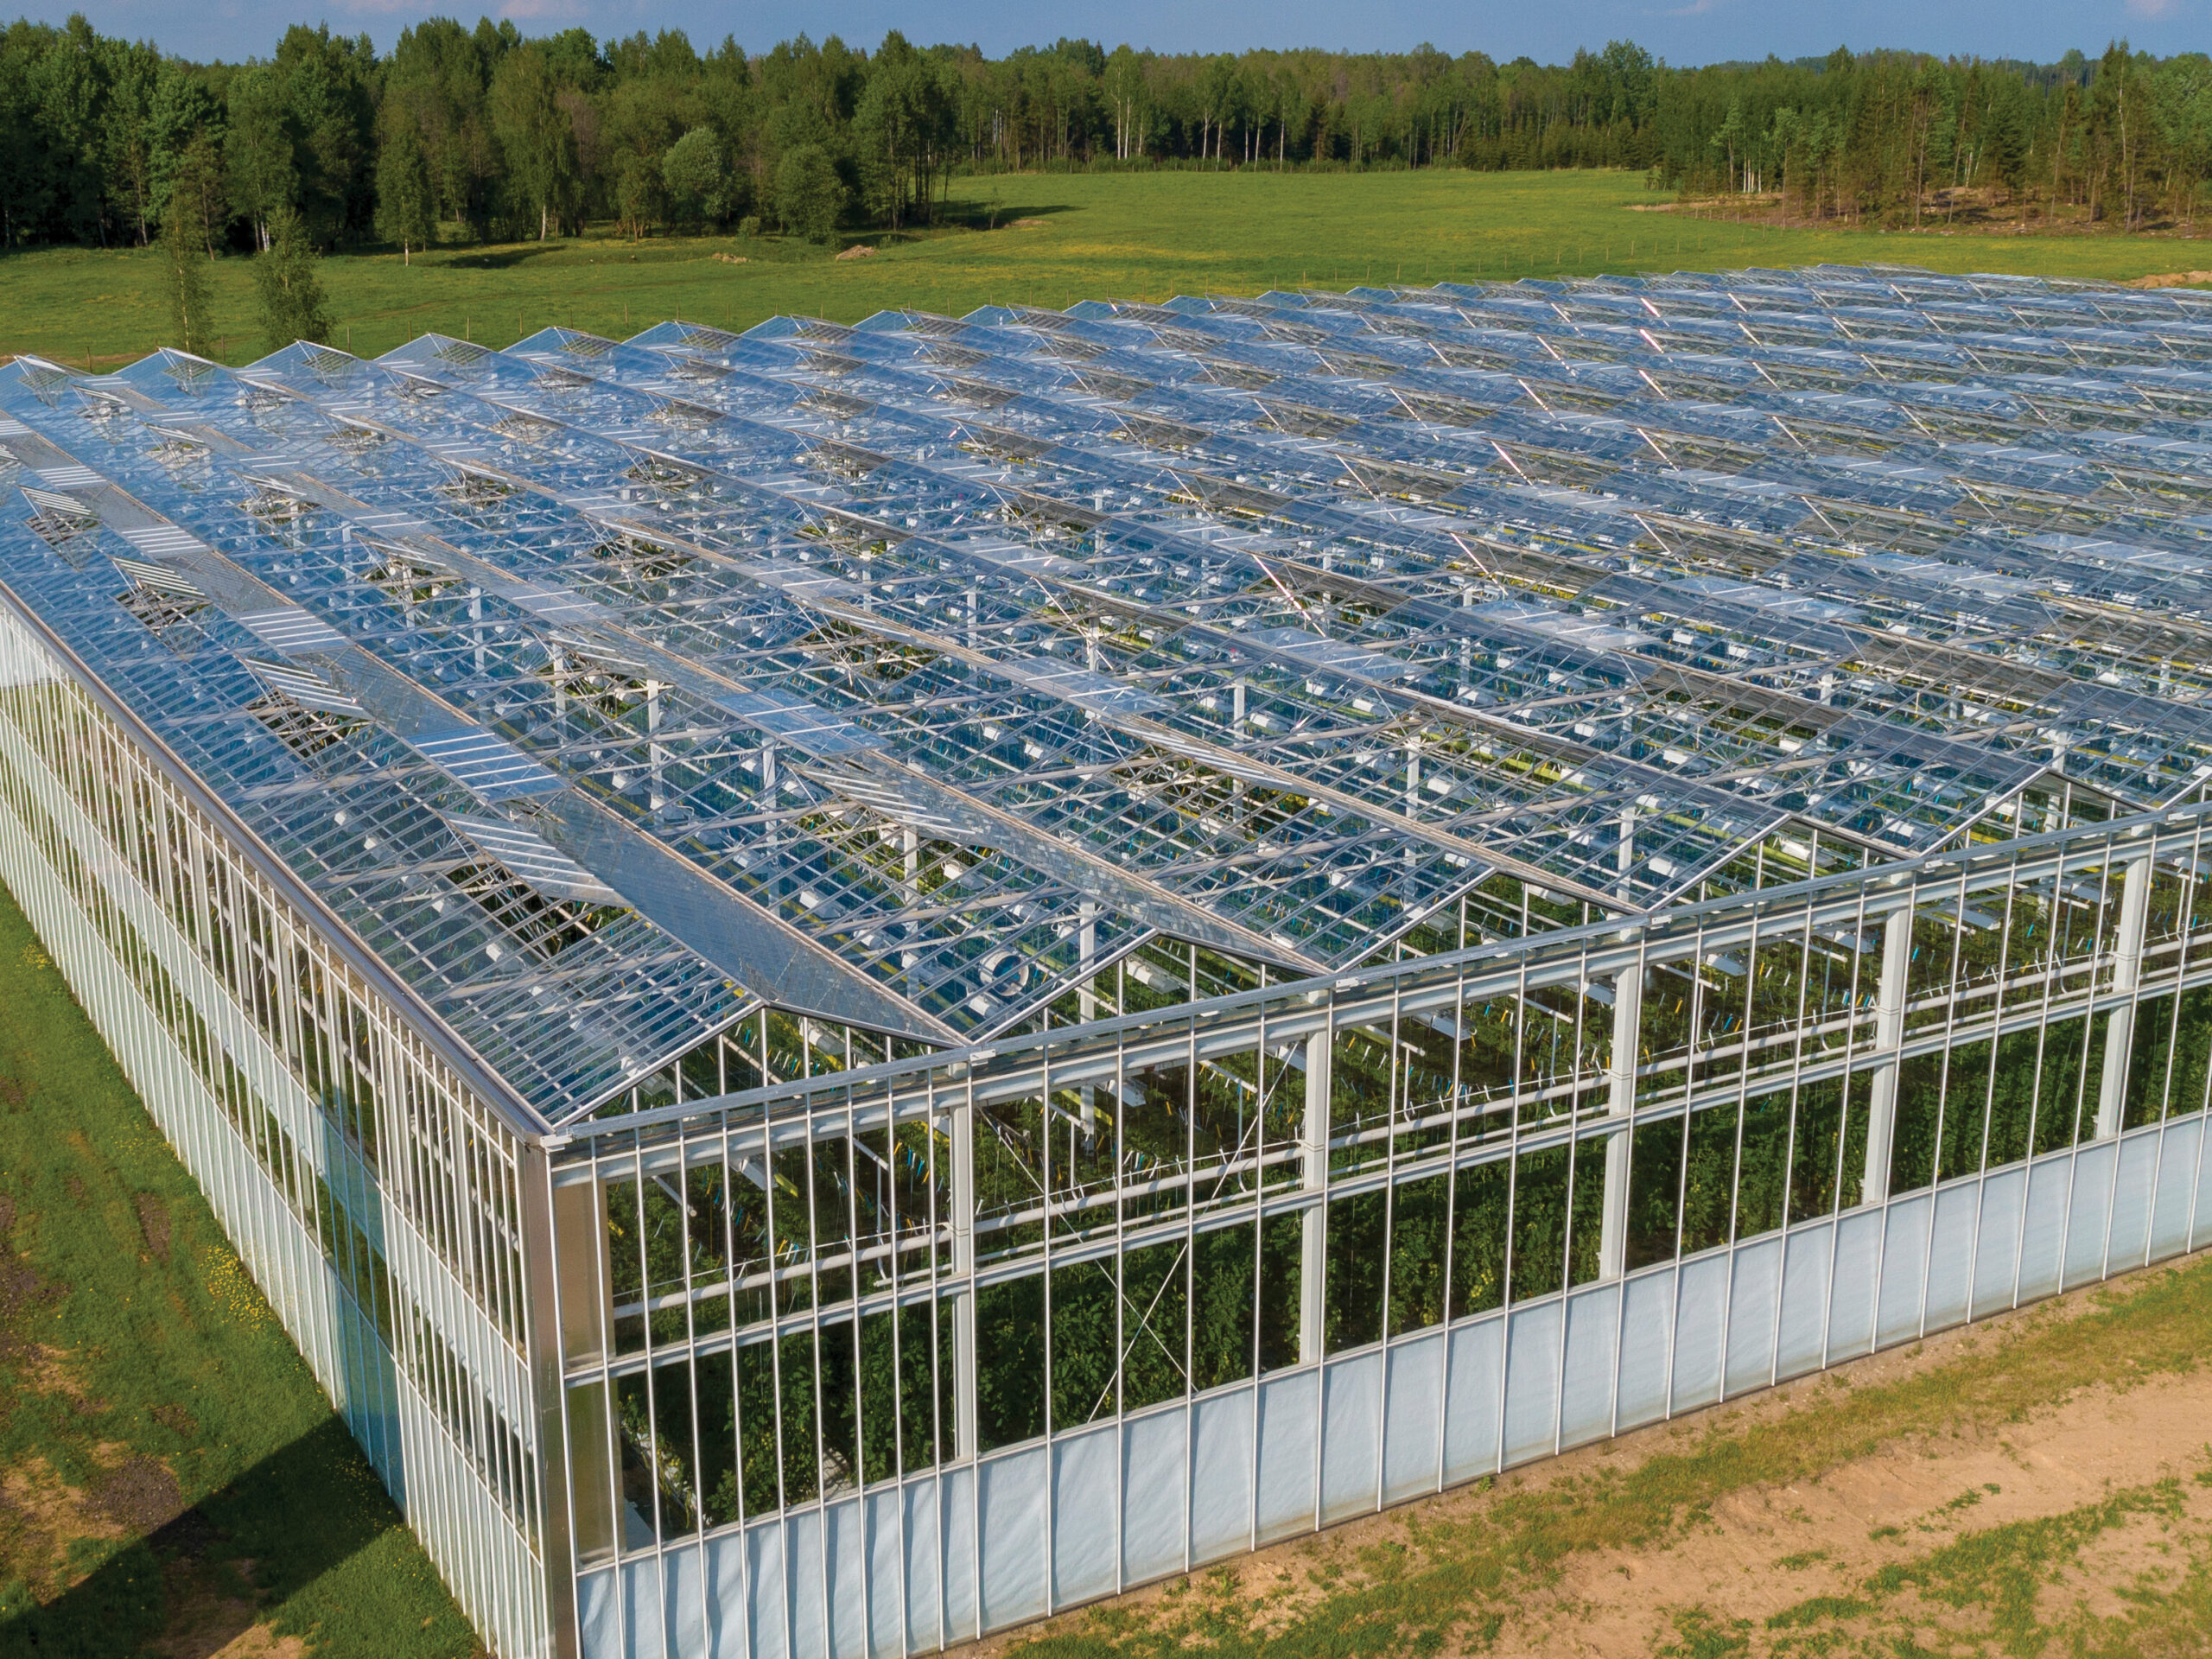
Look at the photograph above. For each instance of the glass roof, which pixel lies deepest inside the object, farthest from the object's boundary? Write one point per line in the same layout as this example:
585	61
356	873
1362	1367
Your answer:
901	675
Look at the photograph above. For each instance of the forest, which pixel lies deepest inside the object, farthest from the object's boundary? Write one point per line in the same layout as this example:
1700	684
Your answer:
460	136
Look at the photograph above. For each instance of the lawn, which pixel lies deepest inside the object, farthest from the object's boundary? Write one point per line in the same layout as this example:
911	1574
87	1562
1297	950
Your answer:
172	1481
1059	238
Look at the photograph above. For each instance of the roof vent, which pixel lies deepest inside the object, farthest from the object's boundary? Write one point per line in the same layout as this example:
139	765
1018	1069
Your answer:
307	733
534	919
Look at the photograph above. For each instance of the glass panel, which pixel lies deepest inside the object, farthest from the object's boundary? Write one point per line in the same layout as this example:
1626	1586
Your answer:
1540	1222
2058	1084
760	1456
625	1262
2192	1047
1709	1179
2012	1096
1655	1180
840	1409
1010	1362
1588	1210
1085	1297
1479	1201
1360	1064
719	1496
590	1470
2149	1058
1009	1176
1815	1148
1221	1287
1762	1164
1965	1109
1155	1140
1919	1112
1282	1244
1357	1251
1420	1221
1155	1316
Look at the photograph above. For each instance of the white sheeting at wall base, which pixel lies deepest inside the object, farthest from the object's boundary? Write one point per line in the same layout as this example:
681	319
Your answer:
1118	1504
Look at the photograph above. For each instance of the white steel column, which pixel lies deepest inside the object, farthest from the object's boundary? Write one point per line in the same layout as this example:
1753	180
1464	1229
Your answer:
963	1273
1628	1020
1889	1032
2127	974
1314	1161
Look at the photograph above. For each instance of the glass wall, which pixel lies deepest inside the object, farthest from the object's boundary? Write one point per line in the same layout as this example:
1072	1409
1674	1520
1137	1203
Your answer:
313	1117
807	1293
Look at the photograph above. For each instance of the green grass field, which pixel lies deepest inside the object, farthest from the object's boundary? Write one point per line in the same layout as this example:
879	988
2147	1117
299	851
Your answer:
172	1481
1139	236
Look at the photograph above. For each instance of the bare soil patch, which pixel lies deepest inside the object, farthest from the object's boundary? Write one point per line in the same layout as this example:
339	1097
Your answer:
141	1495
40	1516
21	1286
154	1224
1764	1552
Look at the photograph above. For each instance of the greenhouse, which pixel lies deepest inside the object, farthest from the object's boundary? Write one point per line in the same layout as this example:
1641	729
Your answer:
853	984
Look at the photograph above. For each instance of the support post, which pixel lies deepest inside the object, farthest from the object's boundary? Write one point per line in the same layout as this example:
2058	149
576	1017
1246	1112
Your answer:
2127	974
1314	1164
1889	1032
963	1270
1628	1020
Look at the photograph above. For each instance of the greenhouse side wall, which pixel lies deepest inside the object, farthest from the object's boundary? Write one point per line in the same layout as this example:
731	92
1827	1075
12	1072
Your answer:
373	1202
881	1362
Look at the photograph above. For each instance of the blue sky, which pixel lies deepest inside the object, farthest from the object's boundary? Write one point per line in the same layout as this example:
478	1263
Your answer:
1682	31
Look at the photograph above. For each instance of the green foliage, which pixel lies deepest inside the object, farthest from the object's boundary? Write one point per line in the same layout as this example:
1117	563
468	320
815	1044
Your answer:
536	136
640	199
532	137
809	196
406	204
292	306
184	275
699	187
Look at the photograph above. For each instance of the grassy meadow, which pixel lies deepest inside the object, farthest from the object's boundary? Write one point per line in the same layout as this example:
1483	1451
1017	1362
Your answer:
1044	238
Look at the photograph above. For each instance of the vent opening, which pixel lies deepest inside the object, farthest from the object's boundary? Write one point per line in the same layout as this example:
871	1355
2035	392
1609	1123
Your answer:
174	619
637	561
475	490
352	439
307	733
407	582
56	519
537	922
275	507
664	474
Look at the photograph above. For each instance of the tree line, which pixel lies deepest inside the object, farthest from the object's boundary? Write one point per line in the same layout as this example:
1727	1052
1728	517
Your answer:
481	134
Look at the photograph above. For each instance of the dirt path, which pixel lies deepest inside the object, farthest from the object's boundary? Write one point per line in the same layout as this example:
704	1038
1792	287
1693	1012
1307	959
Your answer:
1770	1550
2047	1474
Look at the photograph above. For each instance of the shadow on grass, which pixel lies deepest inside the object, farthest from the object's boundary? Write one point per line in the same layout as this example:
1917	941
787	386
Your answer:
972	214
293	1517
506	259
